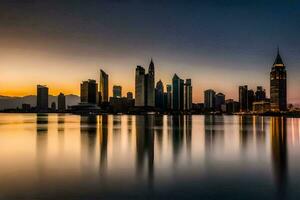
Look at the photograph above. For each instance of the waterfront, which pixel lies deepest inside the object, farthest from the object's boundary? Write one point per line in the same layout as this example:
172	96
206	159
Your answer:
63	156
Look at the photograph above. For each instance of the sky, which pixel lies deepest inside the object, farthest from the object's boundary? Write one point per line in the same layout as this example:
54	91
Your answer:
219	44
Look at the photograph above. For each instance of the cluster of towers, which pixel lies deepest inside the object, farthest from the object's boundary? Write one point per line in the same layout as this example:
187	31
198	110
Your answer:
178	96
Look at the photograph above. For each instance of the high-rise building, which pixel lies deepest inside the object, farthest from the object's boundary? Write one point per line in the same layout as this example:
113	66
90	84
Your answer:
243	98
117	91
159	95
53	106
250	100
278	93
144	86
178	93
42	98
219	101
140	86
188	94
260	94
150	81
169	98
209	99
103	88
88	92
129	95
61	102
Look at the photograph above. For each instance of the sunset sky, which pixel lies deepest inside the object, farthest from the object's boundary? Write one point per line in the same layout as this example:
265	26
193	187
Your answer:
219	44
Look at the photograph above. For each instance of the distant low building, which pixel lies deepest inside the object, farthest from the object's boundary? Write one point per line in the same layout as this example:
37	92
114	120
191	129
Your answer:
261	106
26	107
117	91
120	105
232	106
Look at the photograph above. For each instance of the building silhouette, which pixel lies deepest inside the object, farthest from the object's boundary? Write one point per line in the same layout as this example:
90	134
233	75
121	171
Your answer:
188	94
219	101
150	81
159	95
209	99
61	102
117	91
178	93
129	95
88	92
243	98
42	98
168	103
250	99
278	93
260	94
103	88
140	86
144	86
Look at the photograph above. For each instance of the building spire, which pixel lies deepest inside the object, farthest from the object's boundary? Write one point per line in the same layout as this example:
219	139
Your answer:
278	61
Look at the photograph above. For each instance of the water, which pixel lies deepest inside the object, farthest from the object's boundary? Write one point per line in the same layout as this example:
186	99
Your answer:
148	157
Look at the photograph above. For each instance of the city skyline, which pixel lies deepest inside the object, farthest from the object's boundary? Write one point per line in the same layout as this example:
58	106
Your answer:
62	50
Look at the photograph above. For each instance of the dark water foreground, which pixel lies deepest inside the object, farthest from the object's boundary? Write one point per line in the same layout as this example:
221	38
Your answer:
149	157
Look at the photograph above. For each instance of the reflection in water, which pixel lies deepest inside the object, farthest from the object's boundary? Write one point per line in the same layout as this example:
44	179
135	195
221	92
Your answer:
188	131
145	144
88	130
177	136
103	136
279	154
157	156
246	131
41	143
214	133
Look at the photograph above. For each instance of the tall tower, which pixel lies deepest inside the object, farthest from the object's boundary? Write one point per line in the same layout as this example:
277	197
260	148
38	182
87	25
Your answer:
103	87
178	93
140	86
278	92
150	96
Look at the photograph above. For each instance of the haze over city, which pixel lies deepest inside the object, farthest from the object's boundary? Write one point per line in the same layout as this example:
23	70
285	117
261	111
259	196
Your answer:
218	44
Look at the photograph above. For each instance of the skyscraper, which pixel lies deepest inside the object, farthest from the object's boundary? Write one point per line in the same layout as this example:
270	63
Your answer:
42	98
260	94
144	86
178	93
169	97
88	92
219	101
209	99
243	98
159	95
117	91
278	92
61	101
103	88
150	81
140	86
250	100
188	94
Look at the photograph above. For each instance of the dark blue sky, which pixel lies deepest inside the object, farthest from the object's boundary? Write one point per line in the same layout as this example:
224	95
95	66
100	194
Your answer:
219	44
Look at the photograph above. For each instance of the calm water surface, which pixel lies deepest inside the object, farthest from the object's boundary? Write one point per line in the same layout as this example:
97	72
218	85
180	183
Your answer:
148	157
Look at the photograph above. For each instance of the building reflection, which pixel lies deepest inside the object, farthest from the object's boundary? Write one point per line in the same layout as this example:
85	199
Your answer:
145	145
88	135
61	130
103	137
246	131
41	141
188	131
177	135
159	130
279	154
214	132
